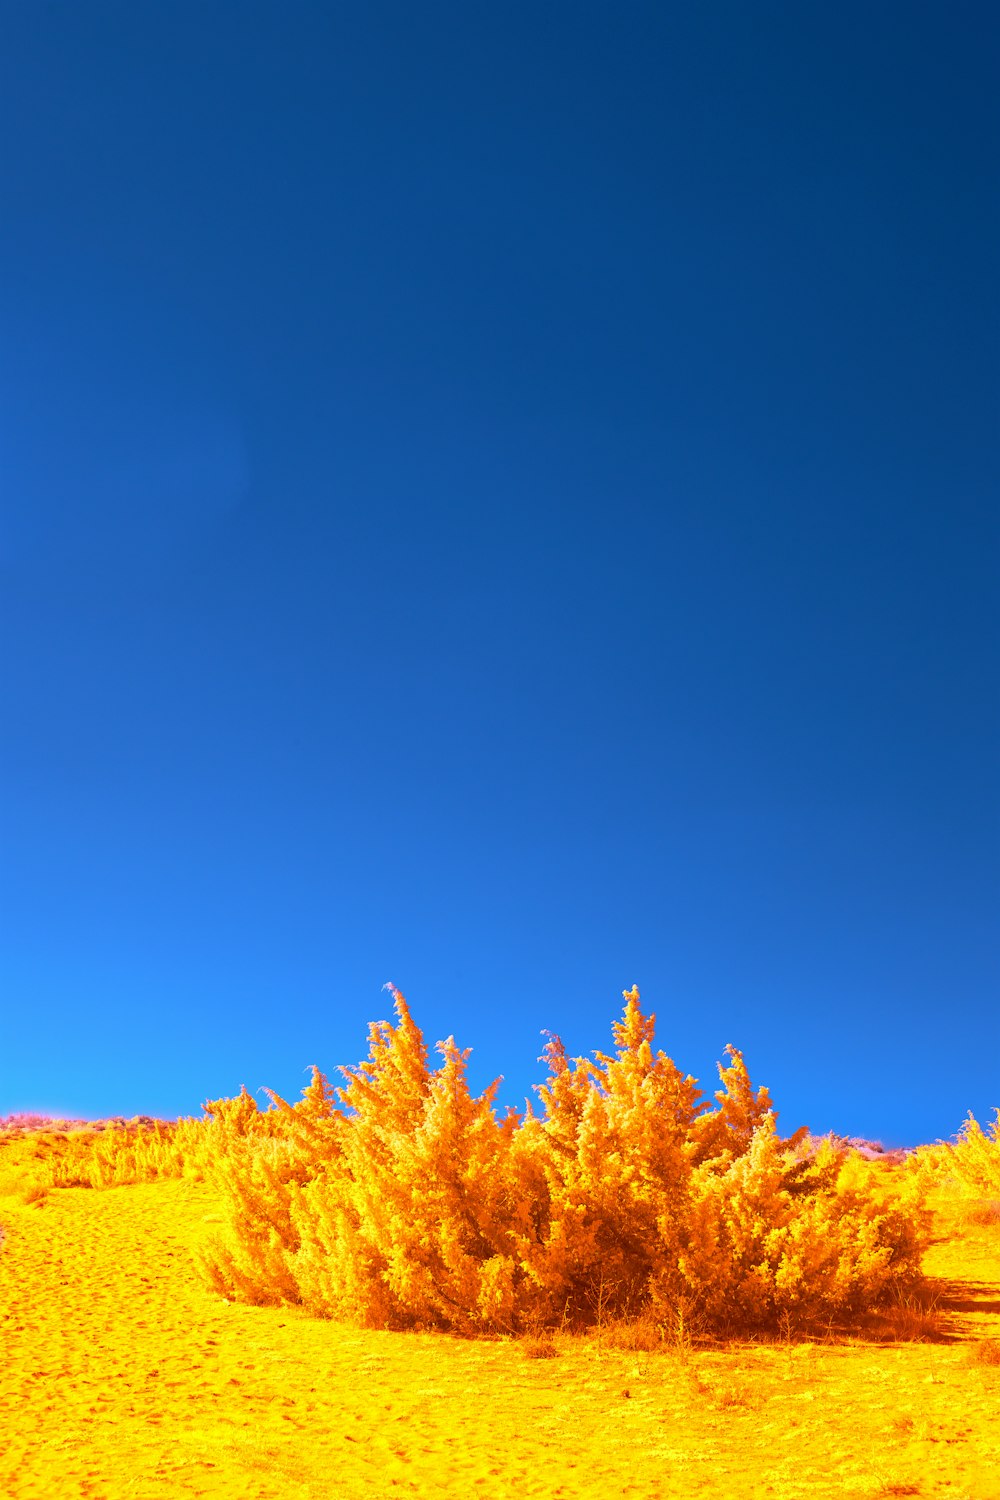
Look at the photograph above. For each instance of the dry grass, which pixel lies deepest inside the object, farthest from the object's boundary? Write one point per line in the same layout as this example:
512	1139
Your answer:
536	1347
985	1213
738	1388
639	1335
909	1317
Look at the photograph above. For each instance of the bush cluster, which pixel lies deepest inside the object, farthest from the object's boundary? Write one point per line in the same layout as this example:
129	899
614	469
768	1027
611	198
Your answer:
971	1164
413	1205
53	1154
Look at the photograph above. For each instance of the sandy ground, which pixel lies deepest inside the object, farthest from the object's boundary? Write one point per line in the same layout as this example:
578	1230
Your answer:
122	1376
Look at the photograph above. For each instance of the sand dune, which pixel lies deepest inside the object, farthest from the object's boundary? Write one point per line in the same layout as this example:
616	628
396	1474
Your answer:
123	1376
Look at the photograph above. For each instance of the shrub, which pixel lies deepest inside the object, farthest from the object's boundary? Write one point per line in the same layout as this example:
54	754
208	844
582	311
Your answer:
105	1156
986	1214
414	1220
628	1198
975	1159
537	1347
257	1159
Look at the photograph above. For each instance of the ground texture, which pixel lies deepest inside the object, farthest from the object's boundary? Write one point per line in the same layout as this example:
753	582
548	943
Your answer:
121	1375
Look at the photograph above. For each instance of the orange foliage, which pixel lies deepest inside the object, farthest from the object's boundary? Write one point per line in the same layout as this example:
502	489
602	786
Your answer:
972	1164
629	1195
97	1157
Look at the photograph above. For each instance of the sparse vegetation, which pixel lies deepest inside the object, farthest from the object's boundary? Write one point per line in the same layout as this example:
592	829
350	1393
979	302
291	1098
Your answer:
110	1154
985	1213
536	1347
971	1163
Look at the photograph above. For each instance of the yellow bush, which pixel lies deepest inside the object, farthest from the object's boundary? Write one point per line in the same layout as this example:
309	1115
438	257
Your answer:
628	1197
409	1223
98	1157
975	1159
772	1243
257	1158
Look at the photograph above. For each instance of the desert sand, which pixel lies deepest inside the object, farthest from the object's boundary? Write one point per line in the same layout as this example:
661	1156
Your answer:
123	1376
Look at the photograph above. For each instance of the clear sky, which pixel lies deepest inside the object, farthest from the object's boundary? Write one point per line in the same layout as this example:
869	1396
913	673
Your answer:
501	499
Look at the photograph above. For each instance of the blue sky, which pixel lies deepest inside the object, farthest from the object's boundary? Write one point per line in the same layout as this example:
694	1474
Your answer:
501	499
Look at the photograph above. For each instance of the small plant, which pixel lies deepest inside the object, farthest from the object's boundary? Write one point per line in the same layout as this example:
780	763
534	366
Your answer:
601	1297
639	1335
679	1334
740	1390
538	1347
986	1214
909	1317
986	1352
